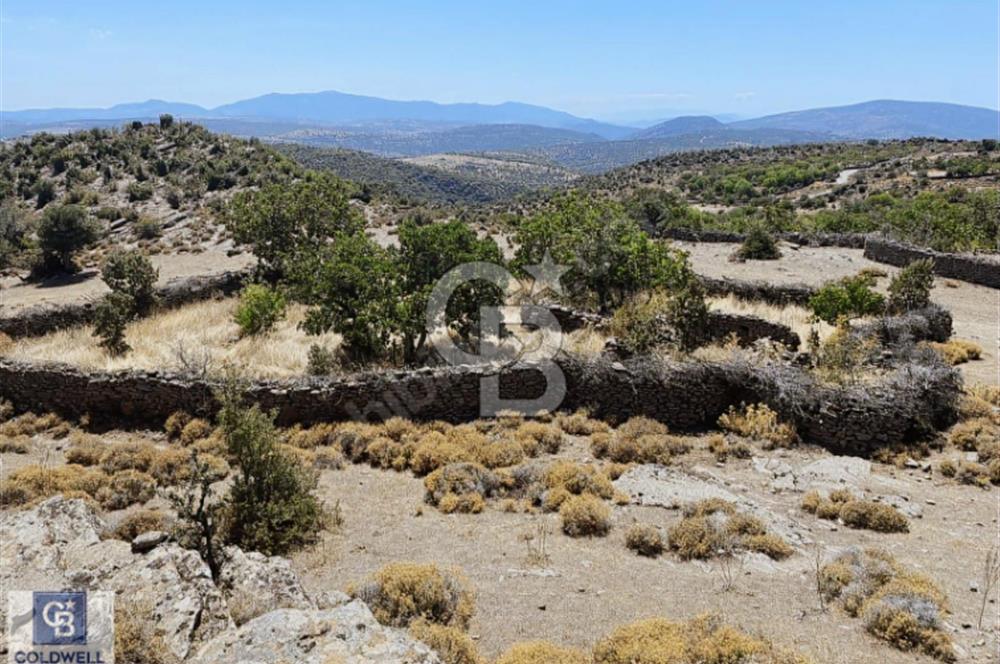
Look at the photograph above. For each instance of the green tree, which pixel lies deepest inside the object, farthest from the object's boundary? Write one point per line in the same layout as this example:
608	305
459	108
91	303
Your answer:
610	257
131	273
272	507
13	234
111	316
911	288
758	245
851	297
281	222
64	230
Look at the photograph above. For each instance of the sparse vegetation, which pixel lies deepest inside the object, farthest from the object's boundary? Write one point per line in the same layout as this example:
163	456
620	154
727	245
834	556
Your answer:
401	594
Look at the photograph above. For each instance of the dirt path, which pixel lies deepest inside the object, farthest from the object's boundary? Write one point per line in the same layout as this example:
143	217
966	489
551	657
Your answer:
975	309
87	285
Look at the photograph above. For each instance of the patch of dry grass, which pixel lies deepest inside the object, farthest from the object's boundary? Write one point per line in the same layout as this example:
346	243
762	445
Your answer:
203	327
798	319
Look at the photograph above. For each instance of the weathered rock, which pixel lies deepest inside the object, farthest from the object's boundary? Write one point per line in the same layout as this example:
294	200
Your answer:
268	582
835	472
148	541
348	634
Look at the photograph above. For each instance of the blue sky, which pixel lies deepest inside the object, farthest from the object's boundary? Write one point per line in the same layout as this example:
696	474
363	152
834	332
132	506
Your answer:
600	59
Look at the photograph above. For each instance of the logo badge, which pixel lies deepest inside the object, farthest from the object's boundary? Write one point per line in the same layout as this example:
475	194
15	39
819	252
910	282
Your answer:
59	619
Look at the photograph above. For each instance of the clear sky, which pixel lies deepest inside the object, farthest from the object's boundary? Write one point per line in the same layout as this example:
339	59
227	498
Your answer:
600	59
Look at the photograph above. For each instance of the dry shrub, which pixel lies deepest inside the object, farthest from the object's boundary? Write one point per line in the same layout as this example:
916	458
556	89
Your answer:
384	452
15	445
994	470
84	449
437	449
33	483
30	424
536	437
714	527
142	521
402	593
6	410
195	430
956	351
704	640
138	640
585	515
974	434
172	466
329	458
468	480
175	423
870	515
541	652
948	468
354	438
125	488
399	429
988	393
759	422
500	454
466	503
645	540
131	455
319	435
563	479
973	473
897	605
580	424
451	643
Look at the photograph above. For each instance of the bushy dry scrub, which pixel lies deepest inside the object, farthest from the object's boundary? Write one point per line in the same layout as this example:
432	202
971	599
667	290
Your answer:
584	516
855	512
645	540
759	422
542	652
142	521
30	424
896	604
713	527
452	644
704	640
956	351
639	440
402	593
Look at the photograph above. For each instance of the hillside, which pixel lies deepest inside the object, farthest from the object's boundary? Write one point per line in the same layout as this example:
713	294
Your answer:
885	119
159	186
688	124
420	180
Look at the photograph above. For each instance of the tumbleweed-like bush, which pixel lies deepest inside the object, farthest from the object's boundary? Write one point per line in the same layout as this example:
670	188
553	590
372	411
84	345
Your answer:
402	593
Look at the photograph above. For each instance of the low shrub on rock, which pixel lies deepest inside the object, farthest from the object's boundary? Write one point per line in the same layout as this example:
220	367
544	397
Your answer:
402	593
956	351
759	422
452	644
142	521
896	604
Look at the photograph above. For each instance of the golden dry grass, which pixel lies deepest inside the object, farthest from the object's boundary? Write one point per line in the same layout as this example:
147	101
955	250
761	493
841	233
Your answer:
799	319
201	328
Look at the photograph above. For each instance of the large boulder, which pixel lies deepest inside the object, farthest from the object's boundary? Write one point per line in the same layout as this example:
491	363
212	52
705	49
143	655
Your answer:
348	634
255	584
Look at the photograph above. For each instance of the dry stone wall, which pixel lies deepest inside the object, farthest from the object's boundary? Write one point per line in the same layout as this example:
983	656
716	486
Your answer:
982	269
907	403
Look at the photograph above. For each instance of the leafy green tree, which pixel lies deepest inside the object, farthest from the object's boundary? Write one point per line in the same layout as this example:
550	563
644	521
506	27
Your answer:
283	222
131	273
272	507
911	287
13	234
111	316
610	257
64	230
851	297
260	308
758	245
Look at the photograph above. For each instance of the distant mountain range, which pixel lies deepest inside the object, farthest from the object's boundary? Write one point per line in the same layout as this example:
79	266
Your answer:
414	128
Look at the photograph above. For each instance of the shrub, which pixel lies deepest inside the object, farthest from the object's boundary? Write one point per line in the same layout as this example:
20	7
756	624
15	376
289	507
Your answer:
759	422
132	274
972	473
64	230
451	644
644	540
260	308
580	424
585	515
648	320
175	423
897	604
125	488
704	640
851	297
31	483
714	527
758	245
321	361
541	652
948	468
111	317
957	351
142	521
873	516
464	482
272	508
770	545
566	478
140	191
973	435
148	228
538	436
402	593
133	455
911	288
166	121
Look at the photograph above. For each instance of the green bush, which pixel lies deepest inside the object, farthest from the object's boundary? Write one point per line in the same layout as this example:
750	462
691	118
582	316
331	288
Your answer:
45	191
140	191
148	228
64	230
132	274
911	288
271	507
13	234
260	308
851	297
758	245
111	316
321	360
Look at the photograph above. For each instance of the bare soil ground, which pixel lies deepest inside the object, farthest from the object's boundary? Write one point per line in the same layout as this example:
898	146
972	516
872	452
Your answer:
975	309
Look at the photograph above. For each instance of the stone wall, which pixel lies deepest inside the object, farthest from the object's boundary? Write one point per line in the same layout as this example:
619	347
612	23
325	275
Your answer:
749	329
848	240
982	269
758	291
42	319
905	404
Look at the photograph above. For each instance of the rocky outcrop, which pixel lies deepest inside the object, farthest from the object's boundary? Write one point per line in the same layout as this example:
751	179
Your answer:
348	634
57	545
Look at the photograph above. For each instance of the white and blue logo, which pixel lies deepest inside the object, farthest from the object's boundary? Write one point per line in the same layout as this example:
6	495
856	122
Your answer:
59	619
